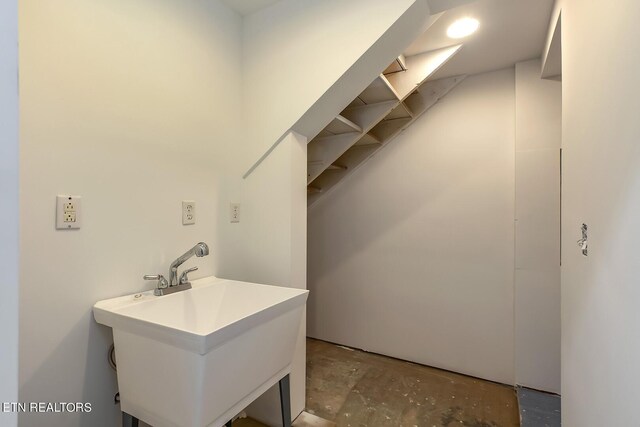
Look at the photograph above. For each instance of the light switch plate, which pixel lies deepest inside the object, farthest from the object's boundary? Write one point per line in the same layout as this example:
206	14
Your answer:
68	212
188	212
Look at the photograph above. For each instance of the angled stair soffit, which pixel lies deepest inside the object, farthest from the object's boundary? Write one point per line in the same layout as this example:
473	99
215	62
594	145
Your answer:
415	21
552	57
349	67
386	107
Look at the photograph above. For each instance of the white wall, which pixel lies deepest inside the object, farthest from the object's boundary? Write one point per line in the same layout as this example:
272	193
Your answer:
295	50
413	255
291	61
601	187
537	275
9	211
269	246
134	106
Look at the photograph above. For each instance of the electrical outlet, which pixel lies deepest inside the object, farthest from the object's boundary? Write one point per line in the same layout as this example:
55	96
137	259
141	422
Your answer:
68	212
188	212
234	212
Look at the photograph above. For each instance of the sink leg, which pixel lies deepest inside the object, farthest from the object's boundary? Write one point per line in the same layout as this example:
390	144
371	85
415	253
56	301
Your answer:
285	401
129	420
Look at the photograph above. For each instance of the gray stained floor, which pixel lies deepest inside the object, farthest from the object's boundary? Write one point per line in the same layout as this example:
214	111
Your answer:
355	388
538	409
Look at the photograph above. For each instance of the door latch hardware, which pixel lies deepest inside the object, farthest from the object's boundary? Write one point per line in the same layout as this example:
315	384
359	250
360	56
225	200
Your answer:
584	242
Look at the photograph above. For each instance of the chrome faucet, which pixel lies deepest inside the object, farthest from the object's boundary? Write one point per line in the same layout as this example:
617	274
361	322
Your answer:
164	286
199	250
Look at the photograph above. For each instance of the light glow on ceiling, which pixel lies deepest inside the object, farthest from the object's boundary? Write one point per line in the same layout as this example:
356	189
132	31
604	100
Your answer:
462	28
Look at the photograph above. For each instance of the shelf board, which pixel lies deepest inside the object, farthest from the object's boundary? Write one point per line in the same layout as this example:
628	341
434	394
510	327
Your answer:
396	66
314	169
388	128
323	133
323	152
400	112
324	182
357	154
379	90
366	116
388	123
356	103
367	139
419	68
341	125
388	105
415	103
335	167
429	93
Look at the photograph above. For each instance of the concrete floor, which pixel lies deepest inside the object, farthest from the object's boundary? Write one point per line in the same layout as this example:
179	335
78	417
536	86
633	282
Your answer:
352	388
355	388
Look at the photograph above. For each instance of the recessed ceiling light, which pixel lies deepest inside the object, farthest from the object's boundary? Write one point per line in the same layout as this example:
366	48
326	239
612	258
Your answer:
462	28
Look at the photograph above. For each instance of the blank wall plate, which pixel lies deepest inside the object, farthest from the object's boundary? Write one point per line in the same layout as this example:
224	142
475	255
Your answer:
68	212
188	212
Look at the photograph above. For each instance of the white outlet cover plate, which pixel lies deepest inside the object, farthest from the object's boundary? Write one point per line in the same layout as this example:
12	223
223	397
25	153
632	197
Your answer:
188	212
234	212
68	212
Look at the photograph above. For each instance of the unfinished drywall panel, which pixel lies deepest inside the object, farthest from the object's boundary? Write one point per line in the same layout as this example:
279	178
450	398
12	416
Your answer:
314	43
538	109
133	106
538	209
420	242
537	278
537	248
601	188
9	247
537	329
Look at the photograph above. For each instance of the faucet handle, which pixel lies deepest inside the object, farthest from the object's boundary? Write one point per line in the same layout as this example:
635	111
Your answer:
184	276
162	282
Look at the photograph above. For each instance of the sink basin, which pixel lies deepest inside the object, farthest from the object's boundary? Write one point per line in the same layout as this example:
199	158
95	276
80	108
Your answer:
200	356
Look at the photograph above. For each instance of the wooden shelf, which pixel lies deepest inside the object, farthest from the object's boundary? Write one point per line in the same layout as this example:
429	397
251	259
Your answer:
397	66
400	112
419	69
341	125
322	152
368	139
415	103
357	154
335	167
429	93
366	116
389	127
387	106
379	90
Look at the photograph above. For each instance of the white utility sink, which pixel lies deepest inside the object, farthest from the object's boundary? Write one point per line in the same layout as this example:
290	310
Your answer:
200	356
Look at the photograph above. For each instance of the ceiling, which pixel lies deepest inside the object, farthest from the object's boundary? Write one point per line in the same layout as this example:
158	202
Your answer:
510	31
247	7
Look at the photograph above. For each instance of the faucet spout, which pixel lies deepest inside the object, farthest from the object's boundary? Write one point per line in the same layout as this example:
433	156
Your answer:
199	250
